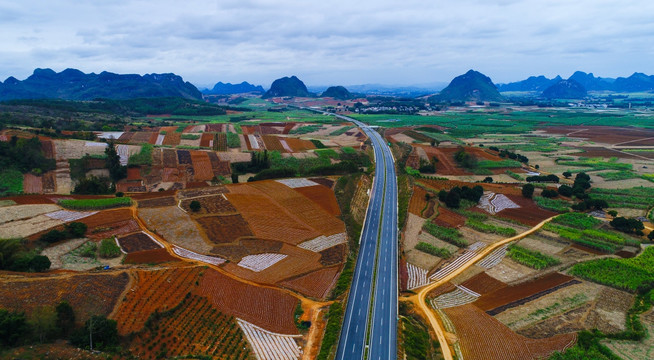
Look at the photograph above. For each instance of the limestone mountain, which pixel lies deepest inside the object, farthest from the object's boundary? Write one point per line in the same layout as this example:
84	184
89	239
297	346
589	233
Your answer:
225	89
565	89
533	83
471	86
287	86
72	84
337	92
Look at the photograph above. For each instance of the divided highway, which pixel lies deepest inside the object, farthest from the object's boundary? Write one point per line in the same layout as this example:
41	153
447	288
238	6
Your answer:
370	326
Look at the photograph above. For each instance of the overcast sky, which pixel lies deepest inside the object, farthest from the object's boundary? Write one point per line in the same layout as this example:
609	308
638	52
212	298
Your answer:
329	42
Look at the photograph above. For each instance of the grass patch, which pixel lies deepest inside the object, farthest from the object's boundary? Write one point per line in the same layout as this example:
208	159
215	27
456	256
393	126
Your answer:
577	220
490	164
634	198
618	175
514	175
623	274
233	141
95	204
530	258
11	182
306	129
490	228
596	164
342	130
452	236
557	205
433	250
144	157
601	240
190	136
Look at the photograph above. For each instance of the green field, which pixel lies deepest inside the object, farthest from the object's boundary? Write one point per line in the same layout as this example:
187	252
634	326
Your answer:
11	182
530	258
95	204
453	236
634	198
623	274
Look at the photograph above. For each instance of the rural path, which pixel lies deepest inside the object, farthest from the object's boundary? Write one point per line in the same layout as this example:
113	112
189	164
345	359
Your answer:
419	299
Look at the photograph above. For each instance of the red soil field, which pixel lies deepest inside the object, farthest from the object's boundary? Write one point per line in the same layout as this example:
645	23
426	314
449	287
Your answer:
91	294
153	195
201	165
403	275
603	134
298	261
483	283
172	139
329	183
195	328
220	168
449	218
509	294
109	223
529	213
272	143
215	128
307	212
220	142
202	191
157	202
153	290
268	220
437	185
168	129
333	255
125	137
134	173
316	284
215	204
31	199
482	337
169	158
48	149
248	129
205	139
234	252
299	144
137	242
32	184
593	152
224	229
323	196
247	140
417	202
265	307
140	137
157	256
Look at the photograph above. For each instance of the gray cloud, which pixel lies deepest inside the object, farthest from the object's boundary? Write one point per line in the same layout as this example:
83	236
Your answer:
329	42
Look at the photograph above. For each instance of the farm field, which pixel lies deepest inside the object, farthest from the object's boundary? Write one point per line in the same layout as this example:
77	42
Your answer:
175	226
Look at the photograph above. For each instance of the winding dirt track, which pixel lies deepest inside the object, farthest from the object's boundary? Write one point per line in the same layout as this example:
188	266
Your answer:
419	299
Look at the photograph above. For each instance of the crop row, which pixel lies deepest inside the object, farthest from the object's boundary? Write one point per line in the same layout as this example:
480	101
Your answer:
624	274
577	220
453	236
533	259
490	228
433	250
95	204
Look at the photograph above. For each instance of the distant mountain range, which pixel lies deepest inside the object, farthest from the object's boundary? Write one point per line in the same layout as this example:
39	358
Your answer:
637	82
226	89
287	86
471	86
72	84
565	89
337	92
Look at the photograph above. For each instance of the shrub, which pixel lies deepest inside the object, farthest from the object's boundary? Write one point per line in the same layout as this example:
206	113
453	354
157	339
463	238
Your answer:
433	250
549	193
453	236
195	206
528	190
565	190
627	225
533	259
109	249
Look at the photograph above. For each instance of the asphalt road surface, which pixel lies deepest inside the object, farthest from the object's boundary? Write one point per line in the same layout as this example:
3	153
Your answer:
370	325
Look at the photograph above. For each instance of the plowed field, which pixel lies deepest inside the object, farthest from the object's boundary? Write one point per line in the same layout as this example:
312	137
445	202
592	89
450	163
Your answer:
510	294
88	294
234	252
201	165
418	202
449	218
529	213
157	256
299	144
482	337
224	229
32	184
483	284
157	202
603	134
298	261
333	255
137	242
268	308
215	204
323	196
154	290
316	284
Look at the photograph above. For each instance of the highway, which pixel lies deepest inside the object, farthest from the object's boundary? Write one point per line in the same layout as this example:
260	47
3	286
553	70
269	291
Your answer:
370	326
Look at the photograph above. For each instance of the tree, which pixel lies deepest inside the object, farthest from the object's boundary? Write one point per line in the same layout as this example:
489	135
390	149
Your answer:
567	174
548	193
76	229
528	190
43	321
627	225
109	249
65	318
453	199
116	170
98	332
488	179
195	206
40	263
612	213
13	327
650	236
565	190
234	178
